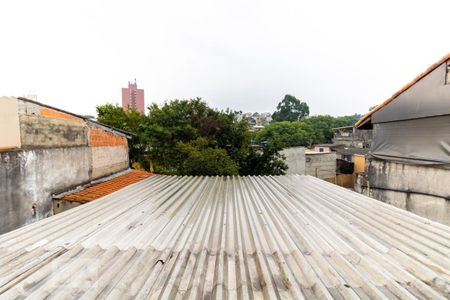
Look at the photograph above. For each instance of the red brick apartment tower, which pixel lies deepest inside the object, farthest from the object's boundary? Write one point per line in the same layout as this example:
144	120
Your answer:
132	97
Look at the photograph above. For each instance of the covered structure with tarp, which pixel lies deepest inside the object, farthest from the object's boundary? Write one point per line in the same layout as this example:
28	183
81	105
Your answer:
414	124
411	144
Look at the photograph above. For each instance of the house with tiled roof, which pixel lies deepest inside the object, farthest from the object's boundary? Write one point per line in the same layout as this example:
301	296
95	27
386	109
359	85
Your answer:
410	149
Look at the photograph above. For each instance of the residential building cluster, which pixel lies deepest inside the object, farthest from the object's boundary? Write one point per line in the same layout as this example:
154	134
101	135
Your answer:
256	120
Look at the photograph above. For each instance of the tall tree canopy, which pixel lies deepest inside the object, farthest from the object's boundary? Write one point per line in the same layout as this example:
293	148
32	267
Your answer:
187	137
173	131
290	109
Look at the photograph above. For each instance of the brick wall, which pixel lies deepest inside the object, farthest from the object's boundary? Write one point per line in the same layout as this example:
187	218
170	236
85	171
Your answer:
101	138
109	152
51	113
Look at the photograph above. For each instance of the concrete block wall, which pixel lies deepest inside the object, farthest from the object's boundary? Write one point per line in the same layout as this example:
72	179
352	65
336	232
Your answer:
295	160
321	165
318	164
28	178
49	132
423	190
108	160
50	152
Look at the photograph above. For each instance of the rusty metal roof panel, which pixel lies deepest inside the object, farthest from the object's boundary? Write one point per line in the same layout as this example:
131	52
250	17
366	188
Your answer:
228	237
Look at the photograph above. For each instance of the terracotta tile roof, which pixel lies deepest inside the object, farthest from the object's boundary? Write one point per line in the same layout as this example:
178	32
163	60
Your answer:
101	189
404	88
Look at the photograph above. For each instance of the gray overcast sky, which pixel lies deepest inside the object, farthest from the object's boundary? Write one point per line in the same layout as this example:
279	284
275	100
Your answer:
341	57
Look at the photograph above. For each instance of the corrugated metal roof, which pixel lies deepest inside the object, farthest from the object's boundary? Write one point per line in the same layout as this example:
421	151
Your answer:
237	237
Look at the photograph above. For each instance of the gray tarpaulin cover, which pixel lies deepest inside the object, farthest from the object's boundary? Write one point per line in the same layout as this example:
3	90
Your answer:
422	141
428	97
415	127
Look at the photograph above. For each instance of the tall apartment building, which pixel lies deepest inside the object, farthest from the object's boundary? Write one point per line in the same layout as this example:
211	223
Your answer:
132	97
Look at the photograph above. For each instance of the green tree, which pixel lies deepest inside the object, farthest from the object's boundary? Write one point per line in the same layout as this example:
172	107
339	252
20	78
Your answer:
310	131
130	121
323	125
185	121
267	161
197	158
189	137
287	134
290	109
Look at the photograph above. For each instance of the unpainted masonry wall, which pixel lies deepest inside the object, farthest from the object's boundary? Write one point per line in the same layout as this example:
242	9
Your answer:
321	165
29	177
423	190
44	132
295	160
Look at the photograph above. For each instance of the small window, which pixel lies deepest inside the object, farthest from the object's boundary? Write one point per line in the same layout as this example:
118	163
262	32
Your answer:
320	149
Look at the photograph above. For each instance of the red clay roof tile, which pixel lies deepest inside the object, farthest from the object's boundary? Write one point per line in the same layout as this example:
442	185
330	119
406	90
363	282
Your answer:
101	189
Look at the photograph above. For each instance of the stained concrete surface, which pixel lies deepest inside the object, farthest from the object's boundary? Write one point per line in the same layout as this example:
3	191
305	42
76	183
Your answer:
37	131
321	165
29	177
295	160
422	190
108	160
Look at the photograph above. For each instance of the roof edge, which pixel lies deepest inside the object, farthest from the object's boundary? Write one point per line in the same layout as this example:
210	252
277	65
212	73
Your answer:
403	89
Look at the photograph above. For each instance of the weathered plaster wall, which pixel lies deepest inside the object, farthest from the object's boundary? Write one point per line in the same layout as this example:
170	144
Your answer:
108	160
42	127
422	190
47	132
29	177
321	165
295	160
